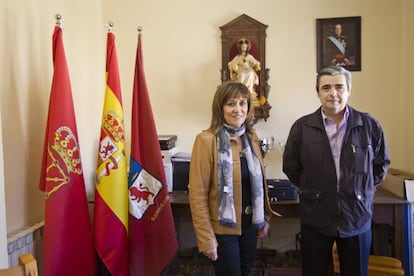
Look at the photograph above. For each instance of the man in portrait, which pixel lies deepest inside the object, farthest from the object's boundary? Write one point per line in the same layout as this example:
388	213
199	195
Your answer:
338	49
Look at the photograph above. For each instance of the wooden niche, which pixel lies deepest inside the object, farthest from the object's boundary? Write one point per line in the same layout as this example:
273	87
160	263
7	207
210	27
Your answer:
245	27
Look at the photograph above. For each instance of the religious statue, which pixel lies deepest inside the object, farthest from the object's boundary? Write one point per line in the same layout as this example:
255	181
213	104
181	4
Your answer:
244	67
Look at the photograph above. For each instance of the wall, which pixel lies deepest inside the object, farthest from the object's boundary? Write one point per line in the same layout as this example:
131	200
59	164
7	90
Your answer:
26	58
186	54
182	52
3	229
407	99
182	48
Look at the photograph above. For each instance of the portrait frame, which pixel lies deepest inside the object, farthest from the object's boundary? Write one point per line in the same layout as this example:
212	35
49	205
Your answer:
338	41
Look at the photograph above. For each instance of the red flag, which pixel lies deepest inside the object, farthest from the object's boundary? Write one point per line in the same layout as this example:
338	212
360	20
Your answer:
152	235
68	244
111	189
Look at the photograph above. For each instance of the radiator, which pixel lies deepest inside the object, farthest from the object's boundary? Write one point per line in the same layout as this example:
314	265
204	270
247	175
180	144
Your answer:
24	241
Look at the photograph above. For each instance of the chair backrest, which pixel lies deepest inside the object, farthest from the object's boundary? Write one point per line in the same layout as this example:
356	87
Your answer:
27	267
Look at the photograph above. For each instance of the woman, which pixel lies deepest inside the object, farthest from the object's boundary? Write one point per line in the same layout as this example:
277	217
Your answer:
244	67
228	197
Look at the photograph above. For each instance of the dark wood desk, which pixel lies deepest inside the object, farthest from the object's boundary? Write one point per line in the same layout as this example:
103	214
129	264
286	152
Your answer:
388	209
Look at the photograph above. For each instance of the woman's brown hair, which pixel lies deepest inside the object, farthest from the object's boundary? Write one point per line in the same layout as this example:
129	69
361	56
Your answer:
226	91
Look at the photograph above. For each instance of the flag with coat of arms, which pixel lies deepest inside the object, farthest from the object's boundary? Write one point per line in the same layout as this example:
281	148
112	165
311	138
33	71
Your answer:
68	245
111	187
152	235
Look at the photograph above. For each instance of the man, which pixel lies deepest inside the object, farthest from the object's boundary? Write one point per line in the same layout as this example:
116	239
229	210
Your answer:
338	47
336	156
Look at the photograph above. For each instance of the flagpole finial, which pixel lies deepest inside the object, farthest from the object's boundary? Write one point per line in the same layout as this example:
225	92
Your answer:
110	25
140	29
58	18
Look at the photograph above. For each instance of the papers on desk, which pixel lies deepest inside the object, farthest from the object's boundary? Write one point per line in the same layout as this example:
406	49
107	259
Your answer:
409	189
400	184
409	227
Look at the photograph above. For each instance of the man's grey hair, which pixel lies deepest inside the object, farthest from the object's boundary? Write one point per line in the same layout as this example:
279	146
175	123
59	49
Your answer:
333	71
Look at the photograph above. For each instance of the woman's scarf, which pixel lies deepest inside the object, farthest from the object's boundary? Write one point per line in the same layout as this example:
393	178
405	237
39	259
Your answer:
226	210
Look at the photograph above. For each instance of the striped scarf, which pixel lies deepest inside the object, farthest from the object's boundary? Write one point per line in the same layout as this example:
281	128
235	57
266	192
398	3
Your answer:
226	210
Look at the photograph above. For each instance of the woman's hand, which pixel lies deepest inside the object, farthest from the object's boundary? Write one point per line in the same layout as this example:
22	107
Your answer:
211	254
263	232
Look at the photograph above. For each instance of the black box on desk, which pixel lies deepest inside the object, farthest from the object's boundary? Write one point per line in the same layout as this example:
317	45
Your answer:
181	170
281	189
167	141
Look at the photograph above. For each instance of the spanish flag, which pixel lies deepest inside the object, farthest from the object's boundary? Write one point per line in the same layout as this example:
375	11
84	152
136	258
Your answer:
68	242
111	188
152	236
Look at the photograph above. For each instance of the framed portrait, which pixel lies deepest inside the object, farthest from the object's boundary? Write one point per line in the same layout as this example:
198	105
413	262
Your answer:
338	42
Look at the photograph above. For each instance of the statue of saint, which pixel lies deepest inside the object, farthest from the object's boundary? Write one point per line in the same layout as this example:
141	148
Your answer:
244	67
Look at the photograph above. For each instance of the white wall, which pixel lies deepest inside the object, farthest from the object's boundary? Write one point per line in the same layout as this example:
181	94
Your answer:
3	230
182	55
182	50
26	58
407	89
